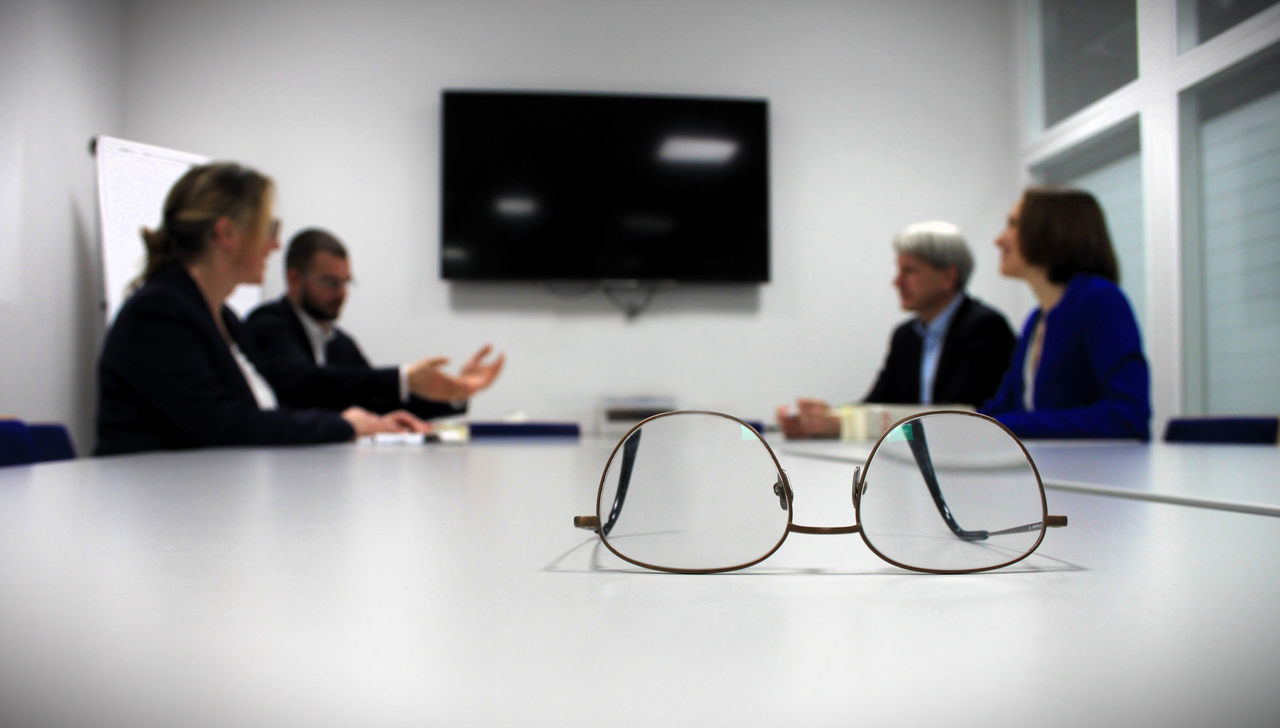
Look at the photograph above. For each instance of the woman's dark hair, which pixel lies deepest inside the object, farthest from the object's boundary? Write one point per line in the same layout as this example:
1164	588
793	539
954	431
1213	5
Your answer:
196	202
1064	231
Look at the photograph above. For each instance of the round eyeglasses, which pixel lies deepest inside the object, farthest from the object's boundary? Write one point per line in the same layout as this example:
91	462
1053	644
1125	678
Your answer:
702	492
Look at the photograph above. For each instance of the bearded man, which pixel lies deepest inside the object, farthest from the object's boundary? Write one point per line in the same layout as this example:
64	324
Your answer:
310	362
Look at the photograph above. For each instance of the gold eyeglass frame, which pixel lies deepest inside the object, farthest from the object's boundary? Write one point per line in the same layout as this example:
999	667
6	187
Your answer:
592	523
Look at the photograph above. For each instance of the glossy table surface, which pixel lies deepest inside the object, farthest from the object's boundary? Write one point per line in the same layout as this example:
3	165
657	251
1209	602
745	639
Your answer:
445	585
1241	475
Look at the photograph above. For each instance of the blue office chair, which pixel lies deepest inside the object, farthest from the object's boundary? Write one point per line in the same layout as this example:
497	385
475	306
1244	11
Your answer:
52	442
16	445
1236	430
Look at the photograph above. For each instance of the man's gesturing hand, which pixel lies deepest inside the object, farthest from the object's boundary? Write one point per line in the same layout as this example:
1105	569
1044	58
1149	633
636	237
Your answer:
426	380
479	374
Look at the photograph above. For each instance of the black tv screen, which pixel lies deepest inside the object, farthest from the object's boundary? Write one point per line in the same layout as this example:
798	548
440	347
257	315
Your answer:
558	186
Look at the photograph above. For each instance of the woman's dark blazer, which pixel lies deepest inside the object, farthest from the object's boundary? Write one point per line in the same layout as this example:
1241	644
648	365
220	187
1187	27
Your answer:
167	380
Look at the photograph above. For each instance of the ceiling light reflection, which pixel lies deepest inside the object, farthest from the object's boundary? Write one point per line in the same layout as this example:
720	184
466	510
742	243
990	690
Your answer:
515	206
697	150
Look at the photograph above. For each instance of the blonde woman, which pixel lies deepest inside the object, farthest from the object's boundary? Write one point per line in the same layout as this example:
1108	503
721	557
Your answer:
177	370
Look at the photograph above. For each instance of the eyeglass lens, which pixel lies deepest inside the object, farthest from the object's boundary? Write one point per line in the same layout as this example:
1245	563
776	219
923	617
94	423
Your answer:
951	492
693	491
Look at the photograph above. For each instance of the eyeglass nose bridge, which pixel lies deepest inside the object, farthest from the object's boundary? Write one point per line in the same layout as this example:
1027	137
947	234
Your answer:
823	530
829	530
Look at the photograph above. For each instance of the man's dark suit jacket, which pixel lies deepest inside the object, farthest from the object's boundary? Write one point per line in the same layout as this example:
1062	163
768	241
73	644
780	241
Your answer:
346	379
167	379
975	354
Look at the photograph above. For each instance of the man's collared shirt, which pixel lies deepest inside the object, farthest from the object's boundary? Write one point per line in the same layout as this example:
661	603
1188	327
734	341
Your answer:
932	335
320	335
317	333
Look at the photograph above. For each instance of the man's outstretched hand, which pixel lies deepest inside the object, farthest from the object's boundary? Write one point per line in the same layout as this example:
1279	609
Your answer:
426	380
479	374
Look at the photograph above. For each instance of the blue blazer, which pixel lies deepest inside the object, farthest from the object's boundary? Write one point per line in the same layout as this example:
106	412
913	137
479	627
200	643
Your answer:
167	379
1093	380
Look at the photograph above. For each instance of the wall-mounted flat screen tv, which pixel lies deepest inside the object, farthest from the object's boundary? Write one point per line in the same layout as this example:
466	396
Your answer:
560	186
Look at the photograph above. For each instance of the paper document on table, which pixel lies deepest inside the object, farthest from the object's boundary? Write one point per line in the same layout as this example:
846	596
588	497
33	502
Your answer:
396	438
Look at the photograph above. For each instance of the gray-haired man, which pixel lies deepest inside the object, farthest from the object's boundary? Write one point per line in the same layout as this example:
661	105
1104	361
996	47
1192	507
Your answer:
954	351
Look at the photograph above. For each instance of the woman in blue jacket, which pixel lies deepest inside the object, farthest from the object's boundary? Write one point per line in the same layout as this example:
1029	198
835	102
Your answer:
1078	370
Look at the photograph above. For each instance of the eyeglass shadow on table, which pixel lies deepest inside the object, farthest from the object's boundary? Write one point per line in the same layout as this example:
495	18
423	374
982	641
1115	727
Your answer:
693	516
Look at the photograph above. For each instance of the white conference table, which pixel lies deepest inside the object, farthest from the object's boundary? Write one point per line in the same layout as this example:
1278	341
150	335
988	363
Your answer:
1234	477
445	586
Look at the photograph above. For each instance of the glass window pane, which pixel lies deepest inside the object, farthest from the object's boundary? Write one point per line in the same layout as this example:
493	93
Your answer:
1236	144
1090	49
1200	20
1110	168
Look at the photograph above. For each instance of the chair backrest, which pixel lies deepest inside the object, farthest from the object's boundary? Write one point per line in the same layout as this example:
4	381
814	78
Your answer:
52	442
1238	430
16	445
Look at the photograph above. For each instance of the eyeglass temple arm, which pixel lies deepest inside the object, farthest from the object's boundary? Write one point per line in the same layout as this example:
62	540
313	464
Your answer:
920	449
1049	522
629	449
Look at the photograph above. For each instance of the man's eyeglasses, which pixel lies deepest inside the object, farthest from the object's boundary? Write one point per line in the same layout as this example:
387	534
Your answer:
701	492
332	283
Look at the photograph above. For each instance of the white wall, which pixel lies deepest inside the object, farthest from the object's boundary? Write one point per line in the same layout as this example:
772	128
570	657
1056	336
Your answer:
67	86
882	114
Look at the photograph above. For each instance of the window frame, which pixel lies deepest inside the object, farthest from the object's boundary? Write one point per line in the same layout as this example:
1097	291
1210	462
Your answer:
1158	100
